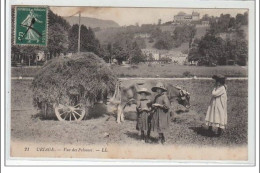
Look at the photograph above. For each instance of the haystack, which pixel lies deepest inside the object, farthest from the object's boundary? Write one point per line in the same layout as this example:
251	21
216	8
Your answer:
84	77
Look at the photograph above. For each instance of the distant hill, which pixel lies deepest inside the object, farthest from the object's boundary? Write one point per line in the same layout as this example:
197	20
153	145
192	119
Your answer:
92	22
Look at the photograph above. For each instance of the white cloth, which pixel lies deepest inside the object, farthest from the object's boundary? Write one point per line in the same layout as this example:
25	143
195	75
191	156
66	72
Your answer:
217	110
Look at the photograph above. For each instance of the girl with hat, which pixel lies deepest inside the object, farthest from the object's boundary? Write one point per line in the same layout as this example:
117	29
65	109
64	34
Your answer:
161	115
217	111
143	113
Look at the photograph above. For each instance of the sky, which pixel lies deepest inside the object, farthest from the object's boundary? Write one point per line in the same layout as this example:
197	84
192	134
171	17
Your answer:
132	16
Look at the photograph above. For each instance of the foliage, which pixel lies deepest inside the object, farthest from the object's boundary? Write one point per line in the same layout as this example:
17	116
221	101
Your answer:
84	74
88	41
212	50
237	50
136	55
164	41
187	74
225	22
124	47
183	34
167	40
57	39
55	19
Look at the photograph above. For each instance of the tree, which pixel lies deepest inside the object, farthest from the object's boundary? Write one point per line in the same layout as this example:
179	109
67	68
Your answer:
136	54
237	50
194	54
57	39
242	18
183	34
119	53
88	41
212	48
205	17
164	41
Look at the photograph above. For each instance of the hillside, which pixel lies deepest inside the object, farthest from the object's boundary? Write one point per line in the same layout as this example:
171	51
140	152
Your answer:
92	22
106	35
201	31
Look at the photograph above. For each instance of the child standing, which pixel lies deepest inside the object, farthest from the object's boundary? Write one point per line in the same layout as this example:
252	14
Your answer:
217	110
161	116
143	112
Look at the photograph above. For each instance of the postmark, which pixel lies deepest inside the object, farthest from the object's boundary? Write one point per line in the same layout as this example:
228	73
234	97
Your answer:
31	24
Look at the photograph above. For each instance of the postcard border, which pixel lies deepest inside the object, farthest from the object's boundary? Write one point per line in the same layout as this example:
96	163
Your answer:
254	81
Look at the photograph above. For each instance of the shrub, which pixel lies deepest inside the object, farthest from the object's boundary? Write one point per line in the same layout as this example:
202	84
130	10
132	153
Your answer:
187	74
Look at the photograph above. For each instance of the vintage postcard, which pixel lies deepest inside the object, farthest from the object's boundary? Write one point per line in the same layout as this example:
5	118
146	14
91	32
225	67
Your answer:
119	83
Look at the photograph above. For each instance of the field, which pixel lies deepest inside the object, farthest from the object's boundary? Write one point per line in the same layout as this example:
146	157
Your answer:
27	125
170	70
155	70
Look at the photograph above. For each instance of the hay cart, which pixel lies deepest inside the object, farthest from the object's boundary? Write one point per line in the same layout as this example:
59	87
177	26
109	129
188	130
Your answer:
69	86
74	110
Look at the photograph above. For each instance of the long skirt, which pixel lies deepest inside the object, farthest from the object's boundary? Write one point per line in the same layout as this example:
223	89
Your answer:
143	119
160	121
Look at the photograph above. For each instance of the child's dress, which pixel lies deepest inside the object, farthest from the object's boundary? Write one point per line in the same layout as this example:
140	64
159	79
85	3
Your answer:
217	110
143	114
161	116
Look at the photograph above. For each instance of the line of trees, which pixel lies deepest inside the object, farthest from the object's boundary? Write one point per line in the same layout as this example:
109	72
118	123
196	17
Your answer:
123	48
168	40
224	43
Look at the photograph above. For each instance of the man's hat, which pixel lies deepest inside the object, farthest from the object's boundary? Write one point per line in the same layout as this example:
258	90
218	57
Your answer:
143	90
159	85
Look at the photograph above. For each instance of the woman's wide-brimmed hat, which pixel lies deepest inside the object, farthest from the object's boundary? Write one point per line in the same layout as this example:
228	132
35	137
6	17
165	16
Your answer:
178	87
143	90
159	85
219	78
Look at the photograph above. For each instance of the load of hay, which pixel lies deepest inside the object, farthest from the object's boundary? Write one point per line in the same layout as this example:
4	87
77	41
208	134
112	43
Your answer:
84	77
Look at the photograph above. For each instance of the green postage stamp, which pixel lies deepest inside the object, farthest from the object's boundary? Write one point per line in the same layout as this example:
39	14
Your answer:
31	24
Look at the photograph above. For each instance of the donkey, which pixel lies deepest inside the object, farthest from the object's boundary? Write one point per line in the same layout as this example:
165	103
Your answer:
129	96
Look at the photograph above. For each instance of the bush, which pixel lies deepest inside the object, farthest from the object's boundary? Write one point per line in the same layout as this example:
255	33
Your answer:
187	74
84	75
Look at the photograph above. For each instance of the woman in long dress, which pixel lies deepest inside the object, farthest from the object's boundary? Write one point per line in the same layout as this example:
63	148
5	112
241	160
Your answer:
161	116
217	111
29	21
143	113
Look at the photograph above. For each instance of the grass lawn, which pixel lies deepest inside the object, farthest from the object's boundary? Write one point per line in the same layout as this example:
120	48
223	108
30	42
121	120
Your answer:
156	70
27	126
170	70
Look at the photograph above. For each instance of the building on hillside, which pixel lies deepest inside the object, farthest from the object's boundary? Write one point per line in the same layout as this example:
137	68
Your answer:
177	58
40	56
182	17
152	54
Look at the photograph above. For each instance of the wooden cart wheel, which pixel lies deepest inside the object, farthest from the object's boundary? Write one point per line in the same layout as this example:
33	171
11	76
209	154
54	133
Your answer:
69	113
